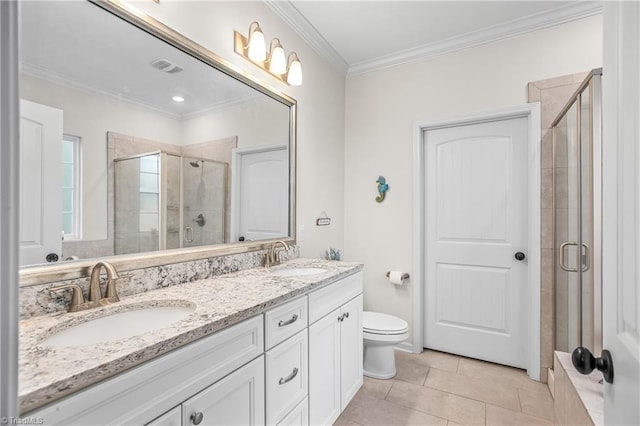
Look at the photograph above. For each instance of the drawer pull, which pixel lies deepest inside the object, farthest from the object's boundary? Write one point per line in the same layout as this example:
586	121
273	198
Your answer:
289	378
293	319
197	417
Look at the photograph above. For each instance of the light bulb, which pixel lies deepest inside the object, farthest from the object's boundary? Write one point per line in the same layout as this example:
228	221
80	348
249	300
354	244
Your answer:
294	77
257	51
278	63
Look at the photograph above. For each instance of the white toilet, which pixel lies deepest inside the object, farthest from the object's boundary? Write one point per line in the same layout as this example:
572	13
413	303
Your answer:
380	333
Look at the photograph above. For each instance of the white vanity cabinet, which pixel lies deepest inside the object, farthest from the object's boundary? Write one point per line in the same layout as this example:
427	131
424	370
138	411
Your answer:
141	394
335	348
298	363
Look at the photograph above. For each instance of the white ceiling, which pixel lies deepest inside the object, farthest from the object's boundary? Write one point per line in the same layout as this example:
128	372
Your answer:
80	45
364	35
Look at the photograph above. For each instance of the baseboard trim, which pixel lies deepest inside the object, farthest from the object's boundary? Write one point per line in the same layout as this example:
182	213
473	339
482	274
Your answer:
404	347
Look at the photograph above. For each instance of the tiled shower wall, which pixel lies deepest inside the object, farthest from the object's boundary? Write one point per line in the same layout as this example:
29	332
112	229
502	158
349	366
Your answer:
553	94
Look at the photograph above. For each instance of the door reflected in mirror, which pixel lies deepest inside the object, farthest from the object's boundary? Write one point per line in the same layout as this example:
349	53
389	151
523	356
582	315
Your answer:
129	144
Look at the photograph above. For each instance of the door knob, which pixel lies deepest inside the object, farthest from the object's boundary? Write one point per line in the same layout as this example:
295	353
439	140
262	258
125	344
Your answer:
584	361
520	255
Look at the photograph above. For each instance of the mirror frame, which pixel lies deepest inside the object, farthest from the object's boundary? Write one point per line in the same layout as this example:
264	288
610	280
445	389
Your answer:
33	275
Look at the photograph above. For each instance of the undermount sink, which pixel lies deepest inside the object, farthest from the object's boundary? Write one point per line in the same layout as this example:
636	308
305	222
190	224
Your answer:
118	326
297	272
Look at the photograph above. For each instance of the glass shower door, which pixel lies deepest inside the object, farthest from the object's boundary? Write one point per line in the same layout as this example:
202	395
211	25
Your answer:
204	201
567	235
577	230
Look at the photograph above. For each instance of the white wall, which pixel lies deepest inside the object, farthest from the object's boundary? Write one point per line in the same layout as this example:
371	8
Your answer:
260	121
320	103
382	109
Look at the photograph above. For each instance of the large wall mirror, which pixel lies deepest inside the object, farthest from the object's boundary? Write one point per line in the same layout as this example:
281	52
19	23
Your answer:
140	144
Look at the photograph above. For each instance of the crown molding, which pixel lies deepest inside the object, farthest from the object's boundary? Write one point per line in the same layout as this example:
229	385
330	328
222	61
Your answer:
301	26
52	77
513	28
292	17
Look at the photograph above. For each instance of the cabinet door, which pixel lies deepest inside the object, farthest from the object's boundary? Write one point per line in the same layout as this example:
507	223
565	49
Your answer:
238	399
170	418
351	350
324	370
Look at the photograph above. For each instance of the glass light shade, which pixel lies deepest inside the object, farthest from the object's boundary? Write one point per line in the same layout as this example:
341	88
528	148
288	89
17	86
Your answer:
257	50
278	64
294	77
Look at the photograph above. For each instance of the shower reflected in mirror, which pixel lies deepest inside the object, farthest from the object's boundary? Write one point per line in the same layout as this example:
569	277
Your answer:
165	201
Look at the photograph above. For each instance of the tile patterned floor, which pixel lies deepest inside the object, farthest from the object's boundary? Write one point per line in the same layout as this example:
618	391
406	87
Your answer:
435	388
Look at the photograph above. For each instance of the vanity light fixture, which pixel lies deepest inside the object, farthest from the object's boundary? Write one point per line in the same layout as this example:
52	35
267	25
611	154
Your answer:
275	61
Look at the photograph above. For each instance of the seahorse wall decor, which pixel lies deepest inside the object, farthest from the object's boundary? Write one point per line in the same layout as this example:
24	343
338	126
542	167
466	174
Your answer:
383	187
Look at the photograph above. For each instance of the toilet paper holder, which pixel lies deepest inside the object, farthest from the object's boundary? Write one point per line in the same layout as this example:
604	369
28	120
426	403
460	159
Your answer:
405	276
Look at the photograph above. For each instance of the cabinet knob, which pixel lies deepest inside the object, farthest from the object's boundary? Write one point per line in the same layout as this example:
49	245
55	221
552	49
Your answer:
197	417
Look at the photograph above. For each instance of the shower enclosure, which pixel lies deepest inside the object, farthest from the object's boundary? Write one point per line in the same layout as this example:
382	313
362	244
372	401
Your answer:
577	202
165	201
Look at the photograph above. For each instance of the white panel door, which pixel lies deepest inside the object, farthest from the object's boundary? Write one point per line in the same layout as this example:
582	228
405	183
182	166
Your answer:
476	214
40	182
261	194
620	219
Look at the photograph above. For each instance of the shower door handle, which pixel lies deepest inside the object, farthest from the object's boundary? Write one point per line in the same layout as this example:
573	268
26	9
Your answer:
586	257
561	256
188	234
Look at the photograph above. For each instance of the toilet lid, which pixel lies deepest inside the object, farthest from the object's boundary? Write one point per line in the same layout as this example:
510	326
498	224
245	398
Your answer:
376	322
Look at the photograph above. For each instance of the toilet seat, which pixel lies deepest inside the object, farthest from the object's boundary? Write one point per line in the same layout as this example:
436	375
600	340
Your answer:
383	324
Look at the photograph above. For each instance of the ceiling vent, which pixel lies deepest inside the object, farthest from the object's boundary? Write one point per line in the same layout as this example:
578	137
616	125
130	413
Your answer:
167	66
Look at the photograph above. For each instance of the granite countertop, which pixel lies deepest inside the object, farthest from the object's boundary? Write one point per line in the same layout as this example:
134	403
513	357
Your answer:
48	373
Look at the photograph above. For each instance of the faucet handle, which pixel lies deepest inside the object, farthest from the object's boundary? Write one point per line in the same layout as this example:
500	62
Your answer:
77	298
111	294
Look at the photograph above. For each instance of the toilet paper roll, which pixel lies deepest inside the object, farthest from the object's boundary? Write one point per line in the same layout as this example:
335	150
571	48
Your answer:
395	277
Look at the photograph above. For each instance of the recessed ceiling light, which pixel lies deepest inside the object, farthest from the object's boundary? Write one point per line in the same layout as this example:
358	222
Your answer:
178	98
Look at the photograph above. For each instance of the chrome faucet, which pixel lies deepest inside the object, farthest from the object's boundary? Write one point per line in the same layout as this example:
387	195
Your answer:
273	257
110	295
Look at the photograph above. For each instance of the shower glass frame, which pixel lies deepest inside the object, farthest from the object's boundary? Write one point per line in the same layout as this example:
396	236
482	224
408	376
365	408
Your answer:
587	261
163	208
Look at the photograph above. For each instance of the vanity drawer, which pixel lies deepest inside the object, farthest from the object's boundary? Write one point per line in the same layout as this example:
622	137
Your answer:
299	416
287	381
328	298
285	321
